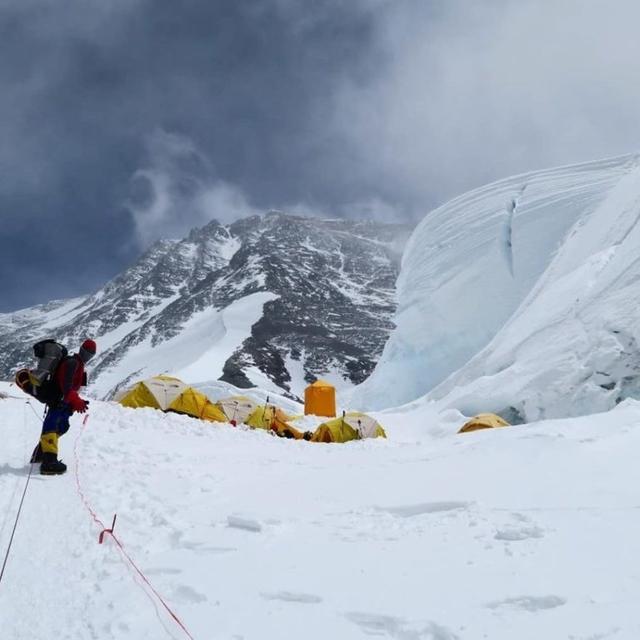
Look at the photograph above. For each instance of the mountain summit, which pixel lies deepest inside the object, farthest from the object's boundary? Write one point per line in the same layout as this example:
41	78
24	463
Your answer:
275	300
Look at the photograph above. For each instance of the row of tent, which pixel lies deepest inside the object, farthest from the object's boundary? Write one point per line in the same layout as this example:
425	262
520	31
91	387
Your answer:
171	394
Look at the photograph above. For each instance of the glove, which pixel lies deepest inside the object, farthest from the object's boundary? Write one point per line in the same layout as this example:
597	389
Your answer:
78	404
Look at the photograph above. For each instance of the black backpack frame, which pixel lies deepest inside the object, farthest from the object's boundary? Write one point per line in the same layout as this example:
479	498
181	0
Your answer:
41	382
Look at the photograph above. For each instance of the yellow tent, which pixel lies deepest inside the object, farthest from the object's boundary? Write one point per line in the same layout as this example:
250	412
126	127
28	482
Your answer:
170	394
483	421
320	399
236	408
157	392
273	419
350	426
196	404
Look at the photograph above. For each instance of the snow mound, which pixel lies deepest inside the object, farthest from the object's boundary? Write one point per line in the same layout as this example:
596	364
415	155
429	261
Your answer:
520	298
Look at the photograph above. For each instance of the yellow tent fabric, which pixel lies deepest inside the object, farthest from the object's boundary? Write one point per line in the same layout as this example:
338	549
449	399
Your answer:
483	421
170	394
157	392
273	419
262	417
194	403
236	408
320	399
351	426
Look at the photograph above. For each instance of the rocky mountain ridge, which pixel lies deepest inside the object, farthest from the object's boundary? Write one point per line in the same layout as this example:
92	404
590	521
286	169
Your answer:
329	287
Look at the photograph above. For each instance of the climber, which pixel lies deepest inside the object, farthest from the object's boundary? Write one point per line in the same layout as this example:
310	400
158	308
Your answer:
69	377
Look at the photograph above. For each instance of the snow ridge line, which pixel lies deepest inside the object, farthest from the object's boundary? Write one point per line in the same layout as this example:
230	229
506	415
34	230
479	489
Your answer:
120	546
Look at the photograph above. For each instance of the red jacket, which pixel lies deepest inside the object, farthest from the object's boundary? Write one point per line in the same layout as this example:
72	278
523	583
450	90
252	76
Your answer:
70	377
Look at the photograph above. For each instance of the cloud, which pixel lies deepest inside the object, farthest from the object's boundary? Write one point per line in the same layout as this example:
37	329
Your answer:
178	191
187	111
473	92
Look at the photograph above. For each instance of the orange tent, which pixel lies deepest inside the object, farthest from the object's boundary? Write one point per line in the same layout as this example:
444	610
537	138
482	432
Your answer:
320	399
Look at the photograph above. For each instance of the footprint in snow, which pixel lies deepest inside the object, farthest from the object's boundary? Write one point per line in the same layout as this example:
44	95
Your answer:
247	524
290	596
187	594
411	510
177	540
389	626
529	603
517	534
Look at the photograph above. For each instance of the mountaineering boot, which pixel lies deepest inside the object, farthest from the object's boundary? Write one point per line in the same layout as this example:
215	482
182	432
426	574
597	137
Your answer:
36	456
51	466
55	468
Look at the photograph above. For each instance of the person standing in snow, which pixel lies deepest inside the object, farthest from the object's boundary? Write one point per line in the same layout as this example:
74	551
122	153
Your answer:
69	377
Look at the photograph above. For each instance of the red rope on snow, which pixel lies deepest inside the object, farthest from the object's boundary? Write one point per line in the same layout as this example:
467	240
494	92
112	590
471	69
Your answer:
77	474
139	572
119	544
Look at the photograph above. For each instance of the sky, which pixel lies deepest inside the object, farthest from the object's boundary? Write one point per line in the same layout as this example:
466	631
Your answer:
124	121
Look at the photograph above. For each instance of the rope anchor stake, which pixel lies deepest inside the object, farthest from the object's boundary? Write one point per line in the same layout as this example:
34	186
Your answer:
113	526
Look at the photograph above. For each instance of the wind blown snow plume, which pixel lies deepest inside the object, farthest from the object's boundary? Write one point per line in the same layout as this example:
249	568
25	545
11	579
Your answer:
178	190
521	298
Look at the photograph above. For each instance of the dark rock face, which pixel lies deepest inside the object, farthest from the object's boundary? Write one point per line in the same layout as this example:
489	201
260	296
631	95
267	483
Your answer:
334	281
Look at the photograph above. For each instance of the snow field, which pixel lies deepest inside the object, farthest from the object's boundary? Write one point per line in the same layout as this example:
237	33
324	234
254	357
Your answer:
527	532
199	352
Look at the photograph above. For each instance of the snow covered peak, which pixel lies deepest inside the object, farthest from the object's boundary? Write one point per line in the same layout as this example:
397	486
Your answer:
519	297
273	300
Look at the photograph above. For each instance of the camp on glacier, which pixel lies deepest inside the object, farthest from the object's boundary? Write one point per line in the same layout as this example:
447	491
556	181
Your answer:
517	300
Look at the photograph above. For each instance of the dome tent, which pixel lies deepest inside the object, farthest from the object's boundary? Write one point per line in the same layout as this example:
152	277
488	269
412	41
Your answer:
320	399
157	392
194	403
483	421
170	394
273	419
236	408
350	426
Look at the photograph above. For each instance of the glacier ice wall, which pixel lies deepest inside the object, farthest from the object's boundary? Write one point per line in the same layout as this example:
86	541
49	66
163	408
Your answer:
488	288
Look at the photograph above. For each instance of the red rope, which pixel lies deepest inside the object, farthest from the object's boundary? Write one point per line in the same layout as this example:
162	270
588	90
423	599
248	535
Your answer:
121	548
77	474
139	572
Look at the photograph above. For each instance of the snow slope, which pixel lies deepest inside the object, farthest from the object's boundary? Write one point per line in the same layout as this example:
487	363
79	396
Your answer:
198	352
528	532
519	298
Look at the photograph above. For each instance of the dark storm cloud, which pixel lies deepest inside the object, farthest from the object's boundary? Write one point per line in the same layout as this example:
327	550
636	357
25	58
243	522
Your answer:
123	120
88	89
